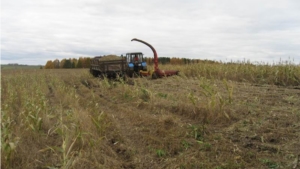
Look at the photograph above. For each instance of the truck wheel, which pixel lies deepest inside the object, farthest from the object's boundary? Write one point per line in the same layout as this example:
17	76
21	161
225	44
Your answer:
93	72
96	73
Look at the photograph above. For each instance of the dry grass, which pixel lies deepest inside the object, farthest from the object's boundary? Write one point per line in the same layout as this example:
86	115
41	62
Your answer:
283	73
244	118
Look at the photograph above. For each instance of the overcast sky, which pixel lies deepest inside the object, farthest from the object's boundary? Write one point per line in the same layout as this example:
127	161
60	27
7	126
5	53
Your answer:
34	31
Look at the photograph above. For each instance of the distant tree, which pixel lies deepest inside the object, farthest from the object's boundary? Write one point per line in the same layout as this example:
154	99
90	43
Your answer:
80	63
86	62
186	61
74	63
164	60
62	63
149	60
176	61
67	64
49	65
56	63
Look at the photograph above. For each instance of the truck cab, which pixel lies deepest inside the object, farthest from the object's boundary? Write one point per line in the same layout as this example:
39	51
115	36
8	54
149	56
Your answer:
136	63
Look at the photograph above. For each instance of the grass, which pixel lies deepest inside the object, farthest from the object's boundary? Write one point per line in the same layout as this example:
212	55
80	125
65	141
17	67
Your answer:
46	113
228	115
269	163
18	67
283	73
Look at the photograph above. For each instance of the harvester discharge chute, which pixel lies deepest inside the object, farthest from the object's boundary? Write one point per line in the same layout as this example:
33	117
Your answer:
157	72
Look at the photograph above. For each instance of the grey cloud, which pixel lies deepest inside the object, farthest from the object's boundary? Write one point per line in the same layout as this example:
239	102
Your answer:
219	30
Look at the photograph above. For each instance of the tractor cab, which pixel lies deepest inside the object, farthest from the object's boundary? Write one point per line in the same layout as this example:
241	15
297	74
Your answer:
134	58
136	63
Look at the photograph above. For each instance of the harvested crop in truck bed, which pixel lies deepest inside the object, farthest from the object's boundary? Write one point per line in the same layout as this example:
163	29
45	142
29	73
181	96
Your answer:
109	57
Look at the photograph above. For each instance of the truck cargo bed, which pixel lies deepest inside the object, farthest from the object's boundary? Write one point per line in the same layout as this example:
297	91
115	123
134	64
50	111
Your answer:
108	67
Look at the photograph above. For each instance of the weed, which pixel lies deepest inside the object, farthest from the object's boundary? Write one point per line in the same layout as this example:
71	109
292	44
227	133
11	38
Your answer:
98	122
9	142
269	163
162	95
186	144
206	146
145	94
127	95
197	132
160	152
229	90
230	165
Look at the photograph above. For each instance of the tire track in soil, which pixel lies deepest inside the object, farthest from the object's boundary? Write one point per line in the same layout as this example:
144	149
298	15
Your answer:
119	140
134	124
130	150
122	157
138	129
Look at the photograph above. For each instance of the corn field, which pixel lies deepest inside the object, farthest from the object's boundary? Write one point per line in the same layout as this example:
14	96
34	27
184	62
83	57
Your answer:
69	119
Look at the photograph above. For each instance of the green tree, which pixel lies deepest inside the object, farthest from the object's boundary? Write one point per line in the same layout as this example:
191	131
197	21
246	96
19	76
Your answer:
74	63
68	64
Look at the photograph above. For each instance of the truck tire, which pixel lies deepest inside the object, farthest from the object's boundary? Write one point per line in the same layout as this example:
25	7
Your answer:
94	73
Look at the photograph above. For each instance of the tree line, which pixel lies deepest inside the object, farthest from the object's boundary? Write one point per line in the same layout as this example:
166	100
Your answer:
176	61
84	62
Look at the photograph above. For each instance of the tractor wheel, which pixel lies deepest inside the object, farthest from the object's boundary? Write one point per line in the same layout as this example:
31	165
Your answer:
97	74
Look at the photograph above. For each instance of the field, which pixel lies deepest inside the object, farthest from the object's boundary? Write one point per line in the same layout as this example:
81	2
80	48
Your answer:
5	67
219	116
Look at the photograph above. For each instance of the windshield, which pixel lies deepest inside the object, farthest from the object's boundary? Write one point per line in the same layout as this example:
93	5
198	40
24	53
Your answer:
134	57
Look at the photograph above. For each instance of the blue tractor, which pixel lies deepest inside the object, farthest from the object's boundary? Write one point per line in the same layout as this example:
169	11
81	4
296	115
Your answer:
137	65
